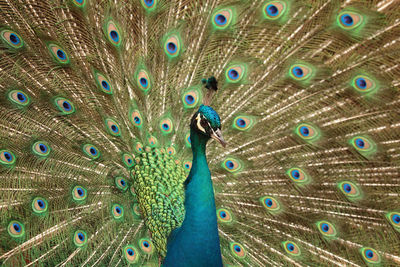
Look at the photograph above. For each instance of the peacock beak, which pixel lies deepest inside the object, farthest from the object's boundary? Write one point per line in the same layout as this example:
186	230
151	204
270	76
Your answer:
217	135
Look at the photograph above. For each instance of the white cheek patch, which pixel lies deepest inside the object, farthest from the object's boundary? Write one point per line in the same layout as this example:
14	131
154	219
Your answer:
198	118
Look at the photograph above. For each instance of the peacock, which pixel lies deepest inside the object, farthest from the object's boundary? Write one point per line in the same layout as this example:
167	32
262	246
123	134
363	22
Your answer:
200	133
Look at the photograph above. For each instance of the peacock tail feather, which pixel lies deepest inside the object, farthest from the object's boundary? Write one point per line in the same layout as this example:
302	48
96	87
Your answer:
95	105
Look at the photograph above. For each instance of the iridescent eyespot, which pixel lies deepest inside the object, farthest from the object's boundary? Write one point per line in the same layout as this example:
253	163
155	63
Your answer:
146	245
113	33
58	54
39	205
271	204
298	176
143	81
121	183
7	158
130	253
11	39
274	10
191	98
127	159
307	132
18	97
370	256
113	127
41	149
243	123
149	4
364	84
291	248
79	3
326	229
235	73
103	83
166	126
232	165
136	211
188	141
300	72
79	193
172	46
80	238
224	215
117	211
64	105
139	147
187	165
350	190
349	20
91	151
222	18
237	250
171	150
16	229
136	118
152	141
363	145
394	219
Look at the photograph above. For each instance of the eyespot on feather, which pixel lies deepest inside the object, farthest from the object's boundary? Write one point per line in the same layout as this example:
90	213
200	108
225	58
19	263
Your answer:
307	132
271	204
171	150
153	142
191	98
188	141
80	238
7	158
103	83
300	72
363	145
351	191
139	147
394	219
146	246
136	211
64	105
127	159
39	205
136	118
41	149
222	18
291	248
235	73
149	5
79	193
11	39
364	84
166	126
224	215
91	151
130	254
172	46
232	165
274	10
18	97
143	81
243	123
121	183
349	20
117	211
326	228
298	176
187	165
237	250
113	127
58	54
370	256
16	229
113	33
79	3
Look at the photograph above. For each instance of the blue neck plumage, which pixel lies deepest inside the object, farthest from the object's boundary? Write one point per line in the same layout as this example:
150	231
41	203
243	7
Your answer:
196	242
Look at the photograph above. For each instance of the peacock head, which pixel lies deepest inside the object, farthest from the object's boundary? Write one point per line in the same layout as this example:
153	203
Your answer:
206	122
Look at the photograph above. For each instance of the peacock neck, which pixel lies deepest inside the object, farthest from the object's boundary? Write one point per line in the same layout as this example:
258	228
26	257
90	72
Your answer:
196	242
